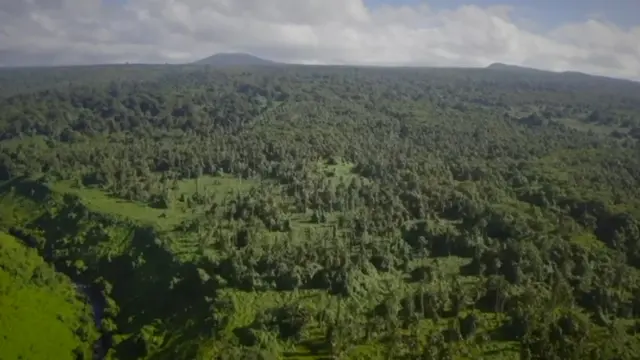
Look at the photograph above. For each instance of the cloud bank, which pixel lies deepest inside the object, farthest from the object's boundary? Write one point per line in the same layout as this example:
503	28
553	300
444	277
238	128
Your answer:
54	32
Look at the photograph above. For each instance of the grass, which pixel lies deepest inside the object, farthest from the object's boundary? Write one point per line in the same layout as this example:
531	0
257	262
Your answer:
16	209
246	306
99	201
40	312
369	289
37	141
219	186
589	241
336	172
163	219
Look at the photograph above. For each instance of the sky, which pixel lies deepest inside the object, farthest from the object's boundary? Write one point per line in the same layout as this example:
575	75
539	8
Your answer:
594	36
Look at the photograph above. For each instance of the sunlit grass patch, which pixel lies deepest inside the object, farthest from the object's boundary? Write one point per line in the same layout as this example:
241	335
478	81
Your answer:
99	201
41	314
165	219
220	186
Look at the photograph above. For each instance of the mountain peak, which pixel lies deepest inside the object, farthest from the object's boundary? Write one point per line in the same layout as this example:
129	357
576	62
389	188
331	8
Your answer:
234	59
515	68
503	66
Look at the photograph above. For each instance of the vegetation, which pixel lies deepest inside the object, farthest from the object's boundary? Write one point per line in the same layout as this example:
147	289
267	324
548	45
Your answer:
41	312
306	212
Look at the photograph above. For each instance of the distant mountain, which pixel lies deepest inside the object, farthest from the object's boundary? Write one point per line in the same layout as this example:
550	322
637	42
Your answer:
502	66
558	74
508	67
234	59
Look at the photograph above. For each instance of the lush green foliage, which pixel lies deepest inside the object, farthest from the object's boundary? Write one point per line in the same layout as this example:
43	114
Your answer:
308	212
42	314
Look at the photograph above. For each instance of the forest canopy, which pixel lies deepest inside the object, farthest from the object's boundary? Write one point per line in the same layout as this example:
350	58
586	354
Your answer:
323	212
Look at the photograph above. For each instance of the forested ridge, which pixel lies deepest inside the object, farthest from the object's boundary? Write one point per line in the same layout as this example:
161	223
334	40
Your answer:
305	212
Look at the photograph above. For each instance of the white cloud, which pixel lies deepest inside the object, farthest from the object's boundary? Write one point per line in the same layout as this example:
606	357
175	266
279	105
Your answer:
313	31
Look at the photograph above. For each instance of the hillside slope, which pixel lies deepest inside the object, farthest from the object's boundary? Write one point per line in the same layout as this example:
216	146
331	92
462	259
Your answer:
234	59
41	311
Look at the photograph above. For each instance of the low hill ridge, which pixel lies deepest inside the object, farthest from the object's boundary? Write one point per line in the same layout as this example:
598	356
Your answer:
232	59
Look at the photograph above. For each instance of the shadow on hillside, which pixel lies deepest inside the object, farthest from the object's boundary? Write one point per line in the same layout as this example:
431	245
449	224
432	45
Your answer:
6	185
158	298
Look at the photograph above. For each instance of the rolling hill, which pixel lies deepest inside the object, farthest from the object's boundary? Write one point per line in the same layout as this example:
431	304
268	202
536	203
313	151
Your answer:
234	59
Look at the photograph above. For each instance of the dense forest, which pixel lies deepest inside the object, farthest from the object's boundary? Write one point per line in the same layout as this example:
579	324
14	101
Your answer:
300	212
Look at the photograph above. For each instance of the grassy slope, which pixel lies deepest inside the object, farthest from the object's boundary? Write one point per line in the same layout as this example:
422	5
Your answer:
164	219
113	242
41	315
